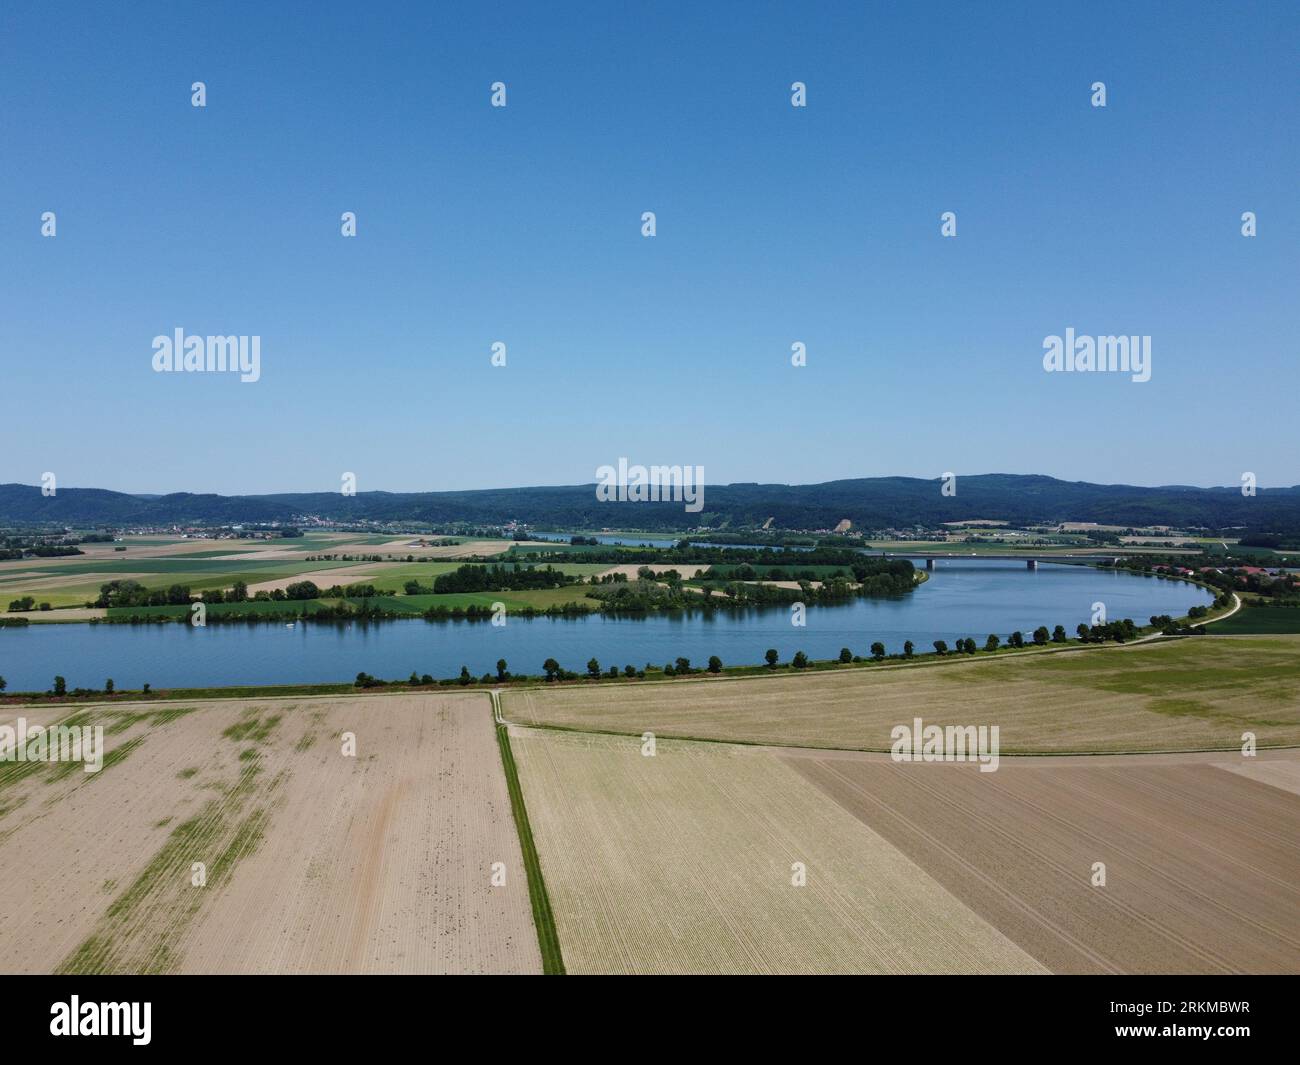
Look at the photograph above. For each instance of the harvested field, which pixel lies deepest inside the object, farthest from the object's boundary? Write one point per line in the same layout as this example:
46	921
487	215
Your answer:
682	863
1202	865
629	570
1201	693
315	862
361	573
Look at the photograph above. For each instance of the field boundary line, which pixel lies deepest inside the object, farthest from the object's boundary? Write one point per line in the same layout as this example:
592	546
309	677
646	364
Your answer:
548	937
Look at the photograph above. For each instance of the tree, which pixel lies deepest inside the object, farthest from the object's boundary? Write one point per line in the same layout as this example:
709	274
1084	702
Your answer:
1082	631
593	668
683	665
941	647
629	671
1041	635
1058	634
414	680
715	664
771	656
60	686
465	677
877	650
108	686
552	668
907	648
3	684
145	690
1017	639
239	592
846	656
502	674
799	660
991	644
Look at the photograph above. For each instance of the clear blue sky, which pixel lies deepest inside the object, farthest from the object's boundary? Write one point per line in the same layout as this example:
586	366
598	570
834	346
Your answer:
522	224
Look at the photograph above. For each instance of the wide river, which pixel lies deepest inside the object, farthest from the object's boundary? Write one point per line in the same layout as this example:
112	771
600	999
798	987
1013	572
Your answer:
962	598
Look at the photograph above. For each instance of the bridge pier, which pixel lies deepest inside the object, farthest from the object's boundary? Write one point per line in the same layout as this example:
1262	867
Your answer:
1031	563
929	563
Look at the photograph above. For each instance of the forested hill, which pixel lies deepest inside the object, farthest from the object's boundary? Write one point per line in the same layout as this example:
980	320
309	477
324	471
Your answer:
876	502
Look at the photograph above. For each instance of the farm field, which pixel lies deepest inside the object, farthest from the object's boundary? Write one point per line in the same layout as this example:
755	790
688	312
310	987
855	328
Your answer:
1260	619
264	565
682	863
1196	693
315	862
415	605
1201	852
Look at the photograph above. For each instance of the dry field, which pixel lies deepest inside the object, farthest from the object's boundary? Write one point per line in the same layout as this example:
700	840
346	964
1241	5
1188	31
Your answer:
315	862
1191	694
1202	864
629	570
682	863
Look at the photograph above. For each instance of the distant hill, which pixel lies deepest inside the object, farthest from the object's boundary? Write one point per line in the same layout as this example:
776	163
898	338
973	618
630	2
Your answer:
873	503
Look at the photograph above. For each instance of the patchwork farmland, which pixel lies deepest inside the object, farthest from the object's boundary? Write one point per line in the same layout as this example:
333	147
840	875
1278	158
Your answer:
755	847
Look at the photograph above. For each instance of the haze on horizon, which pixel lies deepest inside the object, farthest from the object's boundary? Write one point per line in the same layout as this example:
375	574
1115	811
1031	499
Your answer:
775	225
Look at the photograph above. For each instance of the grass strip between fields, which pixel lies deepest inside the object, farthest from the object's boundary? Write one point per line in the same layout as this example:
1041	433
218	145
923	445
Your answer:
548	938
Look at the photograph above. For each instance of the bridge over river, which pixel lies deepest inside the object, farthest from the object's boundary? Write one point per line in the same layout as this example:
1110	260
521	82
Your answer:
1030	558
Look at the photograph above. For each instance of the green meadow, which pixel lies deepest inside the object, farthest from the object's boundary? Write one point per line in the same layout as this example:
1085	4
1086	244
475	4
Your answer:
1260	619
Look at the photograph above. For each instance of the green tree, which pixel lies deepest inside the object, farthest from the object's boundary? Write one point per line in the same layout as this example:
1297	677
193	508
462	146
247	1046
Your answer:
771	656
1058	634
108	686
877	650
991	644
552	668
501	669
1041	635
683	666
3	684
414	679
715	664
800	660
907	648
629	671
593	668
146	689
60	686
1017	639
465	677
941	647
846	656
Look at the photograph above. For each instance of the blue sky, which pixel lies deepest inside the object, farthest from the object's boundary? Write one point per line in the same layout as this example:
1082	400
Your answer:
522	224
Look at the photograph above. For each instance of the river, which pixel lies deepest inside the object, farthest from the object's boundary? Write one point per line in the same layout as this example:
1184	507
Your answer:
962	598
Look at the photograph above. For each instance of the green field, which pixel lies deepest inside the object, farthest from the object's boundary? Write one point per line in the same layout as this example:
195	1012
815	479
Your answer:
1260	619
415	605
